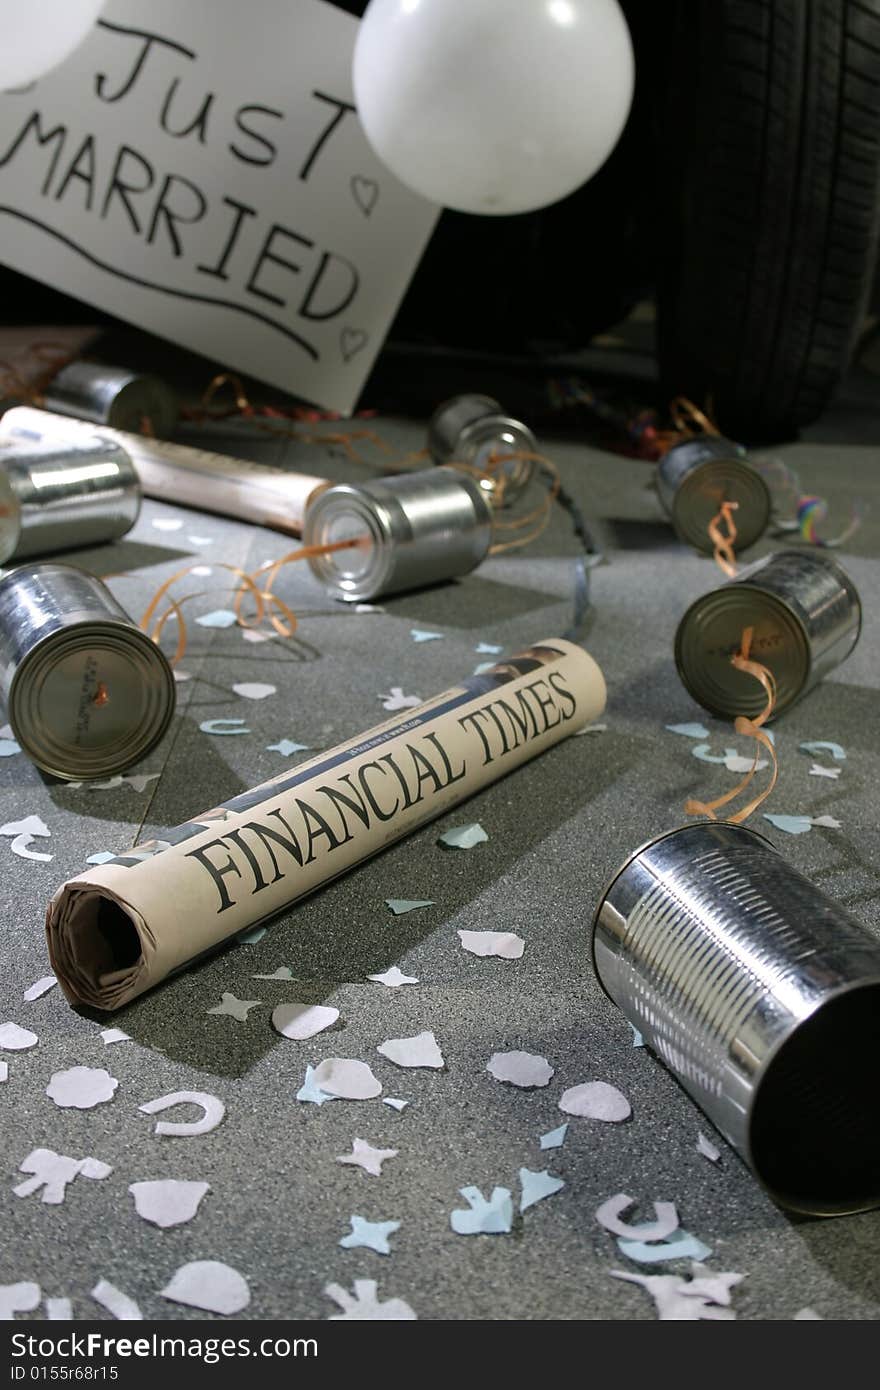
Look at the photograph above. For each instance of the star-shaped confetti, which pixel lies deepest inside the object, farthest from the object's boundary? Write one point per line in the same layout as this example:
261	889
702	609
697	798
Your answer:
286	746
372	1234
235	1008
393	978
363	1155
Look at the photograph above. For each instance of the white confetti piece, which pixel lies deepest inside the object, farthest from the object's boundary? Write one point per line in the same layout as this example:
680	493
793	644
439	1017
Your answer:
817	770
347	1079
300	1021
235	1007
9	747
735	762
210	1285
31	825
254	690
807	1315
394	978
464	836
363	1155
676	1300
167	1202
397	700
162	523
255	634
371	1234
487	649
81	1088
4	1072
537	1186
828	822
707	1148
483	667
203	571
419	634
365	1305
181	676
395	1102
400	905
221	617
21	846
610	1212
792	825
52	1172
212	1109
689	730
554	1138
200	540
18	1298
705	1284
15	1039
283	972
368	608
493	1217
595	1100
114	1035
103	856
833	750
418	1051
637	1039
681	1246
224	726
116	1302
523	1069
59	1310
311	1093
591	729
287	746
39	988
504	944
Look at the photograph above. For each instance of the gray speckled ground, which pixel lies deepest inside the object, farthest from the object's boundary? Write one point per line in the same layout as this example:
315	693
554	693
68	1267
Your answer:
279	1203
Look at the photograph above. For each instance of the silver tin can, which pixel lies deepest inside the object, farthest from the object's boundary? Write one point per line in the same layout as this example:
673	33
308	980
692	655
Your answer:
762	996
696	476
416	529
471	429
60	497
113	396
86	692
806	616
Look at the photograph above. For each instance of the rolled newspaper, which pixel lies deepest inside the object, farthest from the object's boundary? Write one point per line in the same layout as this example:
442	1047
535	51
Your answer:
118	930
218	483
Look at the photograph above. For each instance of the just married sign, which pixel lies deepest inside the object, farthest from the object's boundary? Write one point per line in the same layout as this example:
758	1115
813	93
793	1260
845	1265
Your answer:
199	170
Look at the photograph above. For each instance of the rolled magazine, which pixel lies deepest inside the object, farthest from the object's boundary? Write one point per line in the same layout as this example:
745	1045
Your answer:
119	929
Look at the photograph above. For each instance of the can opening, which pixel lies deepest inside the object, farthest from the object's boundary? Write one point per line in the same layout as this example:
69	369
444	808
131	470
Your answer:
815	1129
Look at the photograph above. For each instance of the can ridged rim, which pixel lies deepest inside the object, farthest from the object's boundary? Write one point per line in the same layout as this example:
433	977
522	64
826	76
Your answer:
518	472
745	485
92	634
320	515
705	689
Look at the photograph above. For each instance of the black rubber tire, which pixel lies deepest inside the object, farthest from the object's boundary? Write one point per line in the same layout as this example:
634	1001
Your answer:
771	138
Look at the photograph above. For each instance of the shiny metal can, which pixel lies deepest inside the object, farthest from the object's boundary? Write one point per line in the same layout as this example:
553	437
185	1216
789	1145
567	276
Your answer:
415	529
87	693
113	396
473	429
60	497
762	996
806	618
696	476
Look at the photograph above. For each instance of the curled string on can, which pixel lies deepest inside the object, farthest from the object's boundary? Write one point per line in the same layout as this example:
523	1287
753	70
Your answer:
723	542
743	661
245	586
689	419
270	569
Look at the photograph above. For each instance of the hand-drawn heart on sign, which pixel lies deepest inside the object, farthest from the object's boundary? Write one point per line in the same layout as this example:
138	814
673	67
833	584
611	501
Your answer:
189	168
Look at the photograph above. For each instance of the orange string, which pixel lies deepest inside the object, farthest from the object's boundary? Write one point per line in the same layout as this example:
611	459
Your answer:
724	554
752	728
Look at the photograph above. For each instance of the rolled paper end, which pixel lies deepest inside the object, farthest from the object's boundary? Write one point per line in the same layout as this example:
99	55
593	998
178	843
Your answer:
593	706
96	947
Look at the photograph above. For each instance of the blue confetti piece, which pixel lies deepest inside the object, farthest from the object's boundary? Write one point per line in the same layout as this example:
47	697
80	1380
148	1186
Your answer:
689	730
249	938
221	617
680	1246
212	726
638	1040
494	1217
102	857
486	649
701	751
833	749
400	905
792	825
310	1092
554	1138
9	747
418	635
287	746
484	666
464	836
537	1186
373	1234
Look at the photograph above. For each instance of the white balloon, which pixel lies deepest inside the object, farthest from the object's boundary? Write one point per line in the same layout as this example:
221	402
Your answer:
493	106
36	35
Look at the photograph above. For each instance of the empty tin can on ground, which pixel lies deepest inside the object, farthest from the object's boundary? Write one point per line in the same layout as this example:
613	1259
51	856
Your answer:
762	996
475	430
414	528
695	477
59	497
86	692
113	396
806	617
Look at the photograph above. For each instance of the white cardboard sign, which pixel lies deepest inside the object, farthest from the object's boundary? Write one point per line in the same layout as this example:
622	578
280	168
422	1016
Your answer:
198	168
